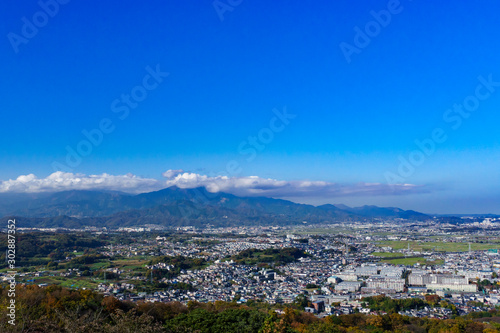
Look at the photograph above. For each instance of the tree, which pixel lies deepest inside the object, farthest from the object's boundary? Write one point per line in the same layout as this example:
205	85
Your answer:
273	324
312	286
52	265
432	299
301	301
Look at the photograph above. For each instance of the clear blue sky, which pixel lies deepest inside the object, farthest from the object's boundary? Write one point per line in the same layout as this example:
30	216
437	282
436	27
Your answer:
354	119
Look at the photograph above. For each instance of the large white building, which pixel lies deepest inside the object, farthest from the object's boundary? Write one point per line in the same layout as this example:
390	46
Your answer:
394	283
350	286
446	282
419	279
453	287
366	270
347	276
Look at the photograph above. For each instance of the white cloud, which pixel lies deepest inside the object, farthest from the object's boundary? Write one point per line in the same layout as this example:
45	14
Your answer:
63	181
172	173
256	186
241	186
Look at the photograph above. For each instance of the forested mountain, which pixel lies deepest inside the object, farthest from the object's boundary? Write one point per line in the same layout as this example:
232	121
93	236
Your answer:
174	206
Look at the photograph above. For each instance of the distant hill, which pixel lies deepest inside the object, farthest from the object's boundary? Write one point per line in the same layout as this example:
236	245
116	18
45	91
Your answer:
174	206
374	211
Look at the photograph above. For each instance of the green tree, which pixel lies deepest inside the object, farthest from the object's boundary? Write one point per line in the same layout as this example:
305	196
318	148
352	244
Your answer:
300	301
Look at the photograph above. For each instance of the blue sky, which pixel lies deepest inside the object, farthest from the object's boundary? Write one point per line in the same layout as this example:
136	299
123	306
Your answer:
230	64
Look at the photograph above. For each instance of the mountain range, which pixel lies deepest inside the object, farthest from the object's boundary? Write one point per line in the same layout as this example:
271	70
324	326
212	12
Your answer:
174	206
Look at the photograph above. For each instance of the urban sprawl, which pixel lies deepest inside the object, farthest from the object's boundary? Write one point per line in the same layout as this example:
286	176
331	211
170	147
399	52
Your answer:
339	266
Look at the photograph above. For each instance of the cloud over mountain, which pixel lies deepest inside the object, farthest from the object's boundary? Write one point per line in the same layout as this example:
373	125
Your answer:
256	186
241	186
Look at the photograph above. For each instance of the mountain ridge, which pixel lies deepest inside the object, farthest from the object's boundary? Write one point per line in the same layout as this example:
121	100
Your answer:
174	206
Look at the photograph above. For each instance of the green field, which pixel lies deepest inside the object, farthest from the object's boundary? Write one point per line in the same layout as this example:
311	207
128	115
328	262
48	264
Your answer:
132	263
412	261
98	265
437	246
69	282
268	256
79	282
